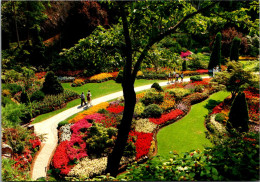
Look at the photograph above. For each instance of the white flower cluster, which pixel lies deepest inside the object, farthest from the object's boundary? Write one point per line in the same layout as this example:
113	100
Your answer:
219	127
143	125
65	133
89	167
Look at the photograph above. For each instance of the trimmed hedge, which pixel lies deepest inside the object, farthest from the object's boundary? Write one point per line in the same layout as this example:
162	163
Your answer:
152	111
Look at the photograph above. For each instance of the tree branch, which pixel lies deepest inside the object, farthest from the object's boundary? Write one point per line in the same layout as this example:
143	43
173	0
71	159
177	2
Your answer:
165	33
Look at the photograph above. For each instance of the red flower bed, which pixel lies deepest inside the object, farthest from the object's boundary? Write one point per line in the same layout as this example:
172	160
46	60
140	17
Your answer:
218	108
108	122
61	159
167	117
185	54
202	71
143	143
69	73
22	161
40	75
115	109
35	143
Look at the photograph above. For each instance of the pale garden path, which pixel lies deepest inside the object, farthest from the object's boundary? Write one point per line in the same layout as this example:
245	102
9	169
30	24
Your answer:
49	128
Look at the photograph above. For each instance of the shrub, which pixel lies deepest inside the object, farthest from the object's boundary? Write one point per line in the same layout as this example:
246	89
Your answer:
6	93
220	117
179	93
199	88
6	100
184	65
99	139
24	97
51	85
234	50
139	109
62	123
157	87
37	96
195	98
153	111
102	111
14	88
215	56
119	78
238	115
152	97
205	49
196	78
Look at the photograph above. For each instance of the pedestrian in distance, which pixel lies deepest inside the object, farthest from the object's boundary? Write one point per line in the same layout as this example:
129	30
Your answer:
89	99
177	77
173	75
82	97
169	77
213	72
182	76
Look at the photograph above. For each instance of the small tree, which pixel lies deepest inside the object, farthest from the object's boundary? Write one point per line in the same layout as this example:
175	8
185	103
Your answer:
216	53
51	85
238	115
24	97
234	51
184	65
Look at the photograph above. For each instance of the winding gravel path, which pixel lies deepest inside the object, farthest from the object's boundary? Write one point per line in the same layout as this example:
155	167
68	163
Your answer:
49	128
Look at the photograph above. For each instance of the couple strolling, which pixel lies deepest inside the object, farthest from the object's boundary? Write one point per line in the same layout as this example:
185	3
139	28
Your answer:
82	96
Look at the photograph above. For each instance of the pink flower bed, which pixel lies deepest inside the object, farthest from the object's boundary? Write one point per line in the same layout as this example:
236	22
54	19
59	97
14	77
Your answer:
167	117
202	71
185	54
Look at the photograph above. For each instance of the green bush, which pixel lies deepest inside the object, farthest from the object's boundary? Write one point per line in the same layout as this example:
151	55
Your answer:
100	139
24	97
152	97
216	52
102	111
196	78
157	87
234	50
184	65
62	123
14	88
238	115
178	93
6	100
199	88
37	96
220	117
205	49
152	111
51	85
119	78
139	109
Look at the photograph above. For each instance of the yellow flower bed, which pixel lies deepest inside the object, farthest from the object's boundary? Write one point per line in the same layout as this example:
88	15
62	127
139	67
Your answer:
101	76
6	92
247	58
78	81
167	104
89	111
140	95
143	125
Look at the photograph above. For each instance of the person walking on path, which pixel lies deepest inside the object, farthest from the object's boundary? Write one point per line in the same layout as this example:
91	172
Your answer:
82	97
214	70
182	76
169	77
89	98
177	77
173	75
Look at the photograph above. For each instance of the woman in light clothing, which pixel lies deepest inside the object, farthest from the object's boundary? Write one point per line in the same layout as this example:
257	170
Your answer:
89	98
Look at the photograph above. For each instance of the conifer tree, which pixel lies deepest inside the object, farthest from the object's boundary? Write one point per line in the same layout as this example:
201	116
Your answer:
184	65
238	115
216	52
51	85
234	51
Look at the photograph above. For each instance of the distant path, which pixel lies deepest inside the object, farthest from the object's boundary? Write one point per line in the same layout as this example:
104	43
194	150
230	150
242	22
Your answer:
49	127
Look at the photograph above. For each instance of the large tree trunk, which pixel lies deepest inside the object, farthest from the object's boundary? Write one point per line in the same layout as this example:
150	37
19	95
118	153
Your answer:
16	27
124	128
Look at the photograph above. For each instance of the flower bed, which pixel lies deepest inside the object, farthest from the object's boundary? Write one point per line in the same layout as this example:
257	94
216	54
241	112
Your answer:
78	82
100	77
167	117
40	75
75	73
143	125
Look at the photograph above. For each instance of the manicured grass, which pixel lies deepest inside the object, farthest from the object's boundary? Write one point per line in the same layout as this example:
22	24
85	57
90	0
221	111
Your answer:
97	90
189	132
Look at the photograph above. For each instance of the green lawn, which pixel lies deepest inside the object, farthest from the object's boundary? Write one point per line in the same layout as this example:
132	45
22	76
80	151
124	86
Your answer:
189	132
97	90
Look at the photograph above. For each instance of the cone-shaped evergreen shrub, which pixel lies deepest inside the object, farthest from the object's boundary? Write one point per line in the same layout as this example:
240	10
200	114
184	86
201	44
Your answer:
234	51
184	65
216	52
51	84
157	87
238	115
24	97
